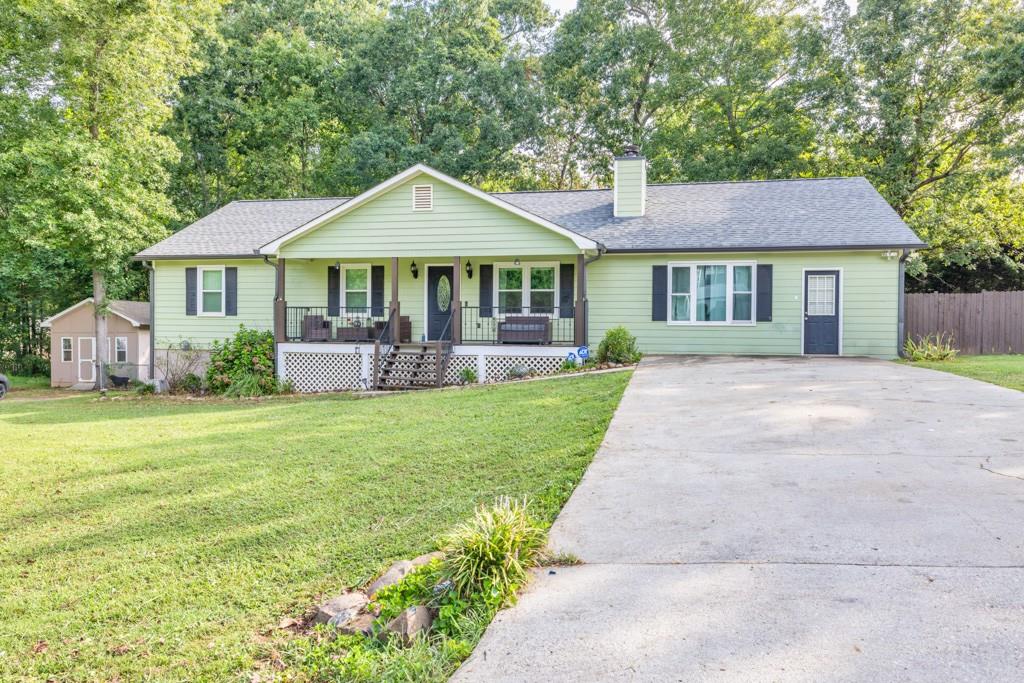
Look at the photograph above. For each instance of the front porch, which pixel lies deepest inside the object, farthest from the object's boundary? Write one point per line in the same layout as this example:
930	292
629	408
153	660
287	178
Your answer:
403	323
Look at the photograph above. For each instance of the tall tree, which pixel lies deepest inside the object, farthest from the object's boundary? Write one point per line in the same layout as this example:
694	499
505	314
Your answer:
91	181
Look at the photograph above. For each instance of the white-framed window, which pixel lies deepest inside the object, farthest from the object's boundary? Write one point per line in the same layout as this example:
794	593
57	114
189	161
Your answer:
120	349
821	294
422	197
711	293
355	286
210	290
66	350
531	287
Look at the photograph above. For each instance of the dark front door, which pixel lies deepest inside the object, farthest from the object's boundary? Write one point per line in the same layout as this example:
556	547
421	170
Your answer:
439	301
821	311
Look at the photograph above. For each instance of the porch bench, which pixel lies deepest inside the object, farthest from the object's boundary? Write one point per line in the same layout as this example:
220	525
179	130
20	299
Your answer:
404	329
355	334
524	329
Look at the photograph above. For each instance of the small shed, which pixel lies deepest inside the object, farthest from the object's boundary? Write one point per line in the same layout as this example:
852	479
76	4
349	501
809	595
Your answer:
73	352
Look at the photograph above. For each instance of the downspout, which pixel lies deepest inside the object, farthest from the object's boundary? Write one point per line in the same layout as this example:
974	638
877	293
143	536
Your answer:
152	320
901	314
601	249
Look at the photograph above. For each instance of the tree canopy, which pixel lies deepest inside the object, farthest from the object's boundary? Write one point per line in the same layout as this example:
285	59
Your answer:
122	120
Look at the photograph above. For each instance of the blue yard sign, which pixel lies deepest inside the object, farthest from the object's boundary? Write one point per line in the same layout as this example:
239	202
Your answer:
571	357
583	352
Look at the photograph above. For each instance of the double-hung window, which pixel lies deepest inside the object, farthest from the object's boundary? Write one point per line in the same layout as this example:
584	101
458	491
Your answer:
711	293
65	350
355	288
531	288
120	349
211	291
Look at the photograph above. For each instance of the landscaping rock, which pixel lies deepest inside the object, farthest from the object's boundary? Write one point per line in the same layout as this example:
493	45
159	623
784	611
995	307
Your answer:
340	609
413	620
392	576
427	559
361	624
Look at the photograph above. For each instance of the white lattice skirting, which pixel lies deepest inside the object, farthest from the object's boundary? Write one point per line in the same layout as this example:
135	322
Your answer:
315	372
344	367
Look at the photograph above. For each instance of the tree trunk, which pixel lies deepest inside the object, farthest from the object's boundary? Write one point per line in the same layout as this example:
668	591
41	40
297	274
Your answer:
99	298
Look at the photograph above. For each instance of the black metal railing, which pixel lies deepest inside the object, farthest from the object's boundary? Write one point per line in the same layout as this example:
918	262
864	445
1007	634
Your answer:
444	349
518	325
323	324
384	344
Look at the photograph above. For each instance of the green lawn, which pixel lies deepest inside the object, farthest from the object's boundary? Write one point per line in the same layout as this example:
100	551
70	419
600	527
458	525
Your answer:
19	383
161	538
1007	371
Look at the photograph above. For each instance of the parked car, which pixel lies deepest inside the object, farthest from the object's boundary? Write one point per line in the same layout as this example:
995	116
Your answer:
4	385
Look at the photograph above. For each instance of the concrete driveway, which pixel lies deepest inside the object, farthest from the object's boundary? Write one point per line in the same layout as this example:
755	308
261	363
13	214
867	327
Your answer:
785	519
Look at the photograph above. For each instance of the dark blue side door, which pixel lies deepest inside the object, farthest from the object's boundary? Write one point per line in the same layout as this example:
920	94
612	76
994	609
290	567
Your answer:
821	312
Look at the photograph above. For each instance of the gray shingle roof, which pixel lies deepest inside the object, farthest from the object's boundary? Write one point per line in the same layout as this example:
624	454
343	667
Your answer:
241	227
135	310
826	213
823	213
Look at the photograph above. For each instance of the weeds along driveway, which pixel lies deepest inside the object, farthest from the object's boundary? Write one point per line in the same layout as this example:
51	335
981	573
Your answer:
785	519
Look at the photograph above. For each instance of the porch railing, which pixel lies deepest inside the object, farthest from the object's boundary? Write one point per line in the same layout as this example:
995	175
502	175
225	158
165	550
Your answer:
323	324
384	344
519	325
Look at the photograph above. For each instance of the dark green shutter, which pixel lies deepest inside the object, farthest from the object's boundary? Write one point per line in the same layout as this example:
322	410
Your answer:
377	290
486	275
764	293
191	284
565	276
333	291
231	291
659	293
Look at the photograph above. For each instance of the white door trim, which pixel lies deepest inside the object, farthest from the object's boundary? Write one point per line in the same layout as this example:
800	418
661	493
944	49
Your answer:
426	294
88	359
803	306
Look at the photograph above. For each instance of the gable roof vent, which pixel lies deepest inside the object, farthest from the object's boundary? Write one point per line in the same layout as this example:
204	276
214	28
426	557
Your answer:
422	197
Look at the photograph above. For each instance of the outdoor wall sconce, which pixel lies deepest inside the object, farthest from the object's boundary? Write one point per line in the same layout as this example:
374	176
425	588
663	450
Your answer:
414	270
516	262
469	269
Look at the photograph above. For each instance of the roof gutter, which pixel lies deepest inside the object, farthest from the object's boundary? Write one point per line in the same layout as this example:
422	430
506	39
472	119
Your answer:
809	247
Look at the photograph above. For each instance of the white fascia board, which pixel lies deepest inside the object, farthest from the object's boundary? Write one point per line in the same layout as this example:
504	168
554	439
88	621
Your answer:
272	248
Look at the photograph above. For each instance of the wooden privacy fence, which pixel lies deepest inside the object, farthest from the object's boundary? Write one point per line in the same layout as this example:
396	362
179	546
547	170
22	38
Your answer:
989	322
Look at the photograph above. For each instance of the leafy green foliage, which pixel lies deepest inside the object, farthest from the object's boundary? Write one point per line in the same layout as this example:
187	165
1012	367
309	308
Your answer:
618	346
243	365
468	376
1004	370
493	553
931	347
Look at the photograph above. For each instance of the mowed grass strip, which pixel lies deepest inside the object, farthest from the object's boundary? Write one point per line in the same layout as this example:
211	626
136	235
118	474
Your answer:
1004	370
162	539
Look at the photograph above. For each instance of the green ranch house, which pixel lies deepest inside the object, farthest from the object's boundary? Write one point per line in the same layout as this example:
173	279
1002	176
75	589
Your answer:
423	275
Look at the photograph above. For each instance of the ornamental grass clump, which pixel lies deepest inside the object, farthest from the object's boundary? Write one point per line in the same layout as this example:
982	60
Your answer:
493	553
931	347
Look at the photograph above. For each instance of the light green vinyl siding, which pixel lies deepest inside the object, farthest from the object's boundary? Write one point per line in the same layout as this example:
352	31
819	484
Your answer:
619	293
630	178
458	224
255	303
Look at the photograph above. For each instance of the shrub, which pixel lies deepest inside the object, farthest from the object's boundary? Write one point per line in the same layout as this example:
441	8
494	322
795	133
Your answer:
191	383
492	553
29	365
467	376
931	347
145	388
568	366
177	364
618	346
246	359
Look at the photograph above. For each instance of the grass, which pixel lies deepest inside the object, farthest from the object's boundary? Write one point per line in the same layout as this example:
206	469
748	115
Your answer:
155	538
20	383
1006	371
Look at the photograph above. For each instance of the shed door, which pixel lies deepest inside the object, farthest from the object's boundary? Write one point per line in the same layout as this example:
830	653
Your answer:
821	312
86	359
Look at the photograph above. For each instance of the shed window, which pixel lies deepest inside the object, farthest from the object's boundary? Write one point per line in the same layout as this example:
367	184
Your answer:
66	352
711	293
120	349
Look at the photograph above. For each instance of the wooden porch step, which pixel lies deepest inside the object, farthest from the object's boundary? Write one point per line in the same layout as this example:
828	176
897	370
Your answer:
410	361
